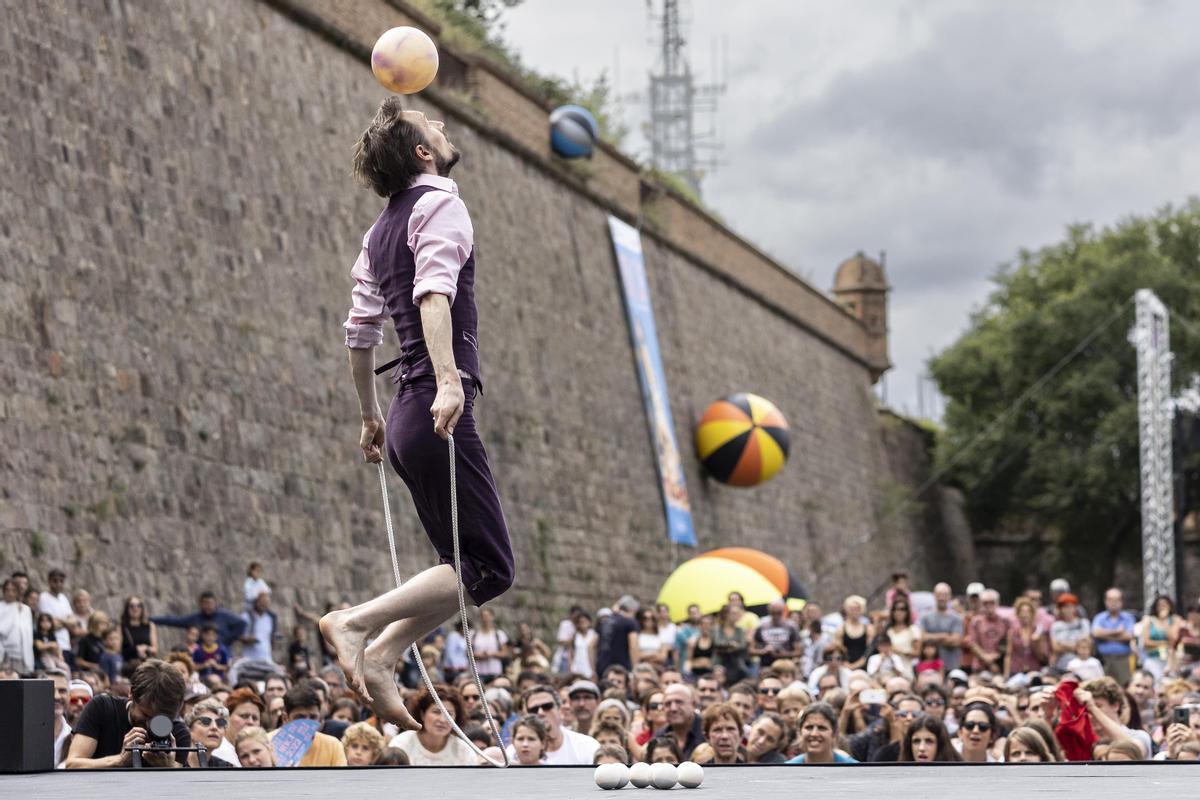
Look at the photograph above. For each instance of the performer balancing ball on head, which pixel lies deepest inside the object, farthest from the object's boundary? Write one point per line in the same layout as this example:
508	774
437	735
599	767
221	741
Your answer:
417	266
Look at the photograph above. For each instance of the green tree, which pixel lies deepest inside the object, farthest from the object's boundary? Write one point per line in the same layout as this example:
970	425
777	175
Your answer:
1048	445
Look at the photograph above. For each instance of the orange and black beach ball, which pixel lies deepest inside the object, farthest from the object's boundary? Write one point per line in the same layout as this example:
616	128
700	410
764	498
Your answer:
742	439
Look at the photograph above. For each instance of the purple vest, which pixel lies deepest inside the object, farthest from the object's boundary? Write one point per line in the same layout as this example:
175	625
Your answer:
395	268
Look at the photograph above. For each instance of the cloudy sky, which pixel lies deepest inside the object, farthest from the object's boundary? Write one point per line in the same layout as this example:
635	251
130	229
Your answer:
949	133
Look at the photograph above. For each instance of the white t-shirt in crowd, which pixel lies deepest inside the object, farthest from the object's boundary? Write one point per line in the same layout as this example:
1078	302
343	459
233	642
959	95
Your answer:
1088	669
227	752
577	748
581	661
59	607
456	753
252	588
488	643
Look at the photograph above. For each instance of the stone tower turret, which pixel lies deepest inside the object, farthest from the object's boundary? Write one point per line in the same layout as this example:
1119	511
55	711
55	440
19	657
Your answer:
861	286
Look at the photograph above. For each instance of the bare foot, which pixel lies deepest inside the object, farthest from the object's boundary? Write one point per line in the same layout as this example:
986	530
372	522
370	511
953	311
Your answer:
347	645
379	676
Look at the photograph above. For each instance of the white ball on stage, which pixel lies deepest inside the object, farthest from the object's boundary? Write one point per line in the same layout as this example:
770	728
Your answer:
607	776
690	774
622	772
639	774
662	775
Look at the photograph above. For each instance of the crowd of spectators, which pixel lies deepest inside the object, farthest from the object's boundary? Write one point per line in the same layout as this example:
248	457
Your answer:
927	677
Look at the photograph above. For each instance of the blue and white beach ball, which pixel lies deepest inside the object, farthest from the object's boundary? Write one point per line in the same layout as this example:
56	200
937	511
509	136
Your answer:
573	131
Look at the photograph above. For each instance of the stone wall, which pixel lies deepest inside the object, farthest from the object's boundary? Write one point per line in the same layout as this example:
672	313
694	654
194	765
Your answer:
177	225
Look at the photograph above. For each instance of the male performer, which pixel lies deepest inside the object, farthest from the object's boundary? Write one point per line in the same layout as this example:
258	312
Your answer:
417	266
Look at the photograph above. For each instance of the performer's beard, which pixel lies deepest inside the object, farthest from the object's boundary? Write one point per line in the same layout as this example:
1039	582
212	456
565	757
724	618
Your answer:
444	165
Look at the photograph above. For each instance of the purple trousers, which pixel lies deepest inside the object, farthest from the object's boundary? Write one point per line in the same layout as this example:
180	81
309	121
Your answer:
422	460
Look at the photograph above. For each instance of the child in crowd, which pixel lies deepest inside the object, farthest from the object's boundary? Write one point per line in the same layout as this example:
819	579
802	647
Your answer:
210	656
929	660
254	585
298	656
111	660
191	639
1085	664
45	645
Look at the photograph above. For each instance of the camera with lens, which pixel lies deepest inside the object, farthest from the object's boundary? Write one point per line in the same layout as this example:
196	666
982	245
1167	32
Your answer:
158	732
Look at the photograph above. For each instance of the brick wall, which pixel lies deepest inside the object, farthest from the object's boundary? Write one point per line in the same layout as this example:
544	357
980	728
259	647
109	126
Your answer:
177	225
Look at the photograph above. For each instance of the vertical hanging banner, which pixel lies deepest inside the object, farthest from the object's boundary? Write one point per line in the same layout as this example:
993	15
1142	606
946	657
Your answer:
627	243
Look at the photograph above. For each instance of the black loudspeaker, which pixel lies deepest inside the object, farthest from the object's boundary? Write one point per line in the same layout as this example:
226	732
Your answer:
26	726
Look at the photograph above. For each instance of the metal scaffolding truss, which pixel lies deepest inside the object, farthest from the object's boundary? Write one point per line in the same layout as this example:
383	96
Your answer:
1155	412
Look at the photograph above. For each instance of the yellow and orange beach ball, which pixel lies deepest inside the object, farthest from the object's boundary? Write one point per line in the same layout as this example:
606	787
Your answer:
742	439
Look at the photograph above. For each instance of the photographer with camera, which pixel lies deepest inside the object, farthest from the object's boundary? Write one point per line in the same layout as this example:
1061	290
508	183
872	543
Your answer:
109	726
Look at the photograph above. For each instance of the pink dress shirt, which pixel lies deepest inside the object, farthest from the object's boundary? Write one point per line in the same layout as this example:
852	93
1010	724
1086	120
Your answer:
441	238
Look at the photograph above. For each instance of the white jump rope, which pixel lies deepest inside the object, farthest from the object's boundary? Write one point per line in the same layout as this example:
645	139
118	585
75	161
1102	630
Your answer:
462	611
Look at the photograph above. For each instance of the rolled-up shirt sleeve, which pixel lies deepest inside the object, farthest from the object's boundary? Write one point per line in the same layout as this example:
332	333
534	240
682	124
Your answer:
364	325
441	238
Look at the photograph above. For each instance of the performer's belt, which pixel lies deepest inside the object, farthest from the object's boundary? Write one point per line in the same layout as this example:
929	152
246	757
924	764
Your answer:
396	362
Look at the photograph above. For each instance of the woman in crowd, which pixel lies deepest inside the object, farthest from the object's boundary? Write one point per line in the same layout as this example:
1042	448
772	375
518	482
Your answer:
490	646
1026	648
1043	729
649	645
582	650
855	633
663	748
654	718
139	636
529	741
1159	628
1025	745
731	646
927	742
363	744
254	748
530	652
435	745
818	736
904	635
1186	647
345	710
246	710
976	732
700	649
207	723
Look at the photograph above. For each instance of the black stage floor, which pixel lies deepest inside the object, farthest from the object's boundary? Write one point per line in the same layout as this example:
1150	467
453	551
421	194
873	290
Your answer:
1002	782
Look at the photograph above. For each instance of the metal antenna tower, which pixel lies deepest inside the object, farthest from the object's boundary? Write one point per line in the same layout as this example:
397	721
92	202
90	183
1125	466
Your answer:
1155	413
675	100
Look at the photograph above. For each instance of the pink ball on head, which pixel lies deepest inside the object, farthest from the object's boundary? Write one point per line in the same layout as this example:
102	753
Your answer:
404	60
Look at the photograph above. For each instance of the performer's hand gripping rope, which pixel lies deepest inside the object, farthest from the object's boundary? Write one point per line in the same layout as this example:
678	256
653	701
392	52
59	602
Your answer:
462	610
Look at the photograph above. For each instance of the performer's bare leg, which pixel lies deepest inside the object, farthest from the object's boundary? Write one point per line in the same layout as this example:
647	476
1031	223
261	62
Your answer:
379	665
347	631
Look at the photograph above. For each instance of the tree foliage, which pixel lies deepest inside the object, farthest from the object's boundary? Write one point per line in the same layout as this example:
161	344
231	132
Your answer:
1059	463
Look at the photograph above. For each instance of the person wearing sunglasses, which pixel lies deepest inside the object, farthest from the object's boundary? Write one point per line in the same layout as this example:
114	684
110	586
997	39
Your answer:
207	723
976	733
768	691
833	663
563	745
898	717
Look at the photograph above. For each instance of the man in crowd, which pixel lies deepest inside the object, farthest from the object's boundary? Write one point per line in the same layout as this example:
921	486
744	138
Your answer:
109	725
685	631
257	644
613	631
683	722
723	732
584	696
987	634
743	697
776	637
708	691
769	687
54	601
563	745
62	729
303	702
944	627
230	626
1112	629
